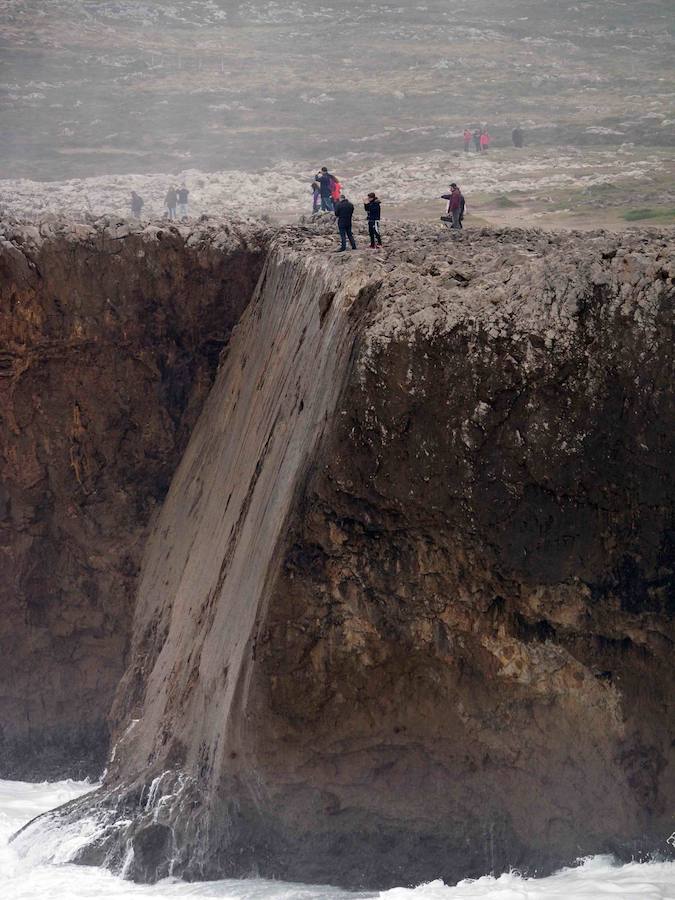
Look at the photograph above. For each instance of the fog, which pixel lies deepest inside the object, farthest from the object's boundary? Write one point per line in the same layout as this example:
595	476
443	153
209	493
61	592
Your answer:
95	87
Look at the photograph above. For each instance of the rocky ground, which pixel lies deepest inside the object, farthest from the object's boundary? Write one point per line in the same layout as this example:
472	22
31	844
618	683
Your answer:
407	610
563	188
119	87
246	101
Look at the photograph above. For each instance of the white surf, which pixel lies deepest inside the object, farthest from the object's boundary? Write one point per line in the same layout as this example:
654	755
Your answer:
42	871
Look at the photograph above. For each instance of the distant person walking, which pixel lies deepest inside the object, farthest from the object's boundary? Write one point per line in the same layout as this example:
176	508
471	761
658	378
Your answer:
518	137
326	187
344	211
170	202
456	205
373	210
476	139
136	205
182	195
467	140
484	141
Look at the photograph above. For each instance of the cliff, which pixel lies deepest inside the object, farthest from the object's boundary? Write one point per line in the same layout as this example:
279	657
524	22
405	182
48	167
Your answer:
405	611
110	341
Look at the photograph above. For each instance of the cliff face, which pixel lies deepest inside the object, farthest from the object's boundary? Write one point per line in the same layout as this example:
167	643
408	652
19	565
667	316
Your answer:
110	342
405	613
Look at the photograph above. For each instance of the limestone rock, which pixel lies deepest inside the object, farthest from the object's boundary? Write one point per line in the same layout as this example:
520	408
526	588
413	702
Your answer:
405	611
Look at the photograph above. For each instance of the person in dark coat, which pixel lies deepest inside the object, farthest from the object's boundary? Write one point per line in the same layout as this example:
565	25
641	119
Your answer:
326	182
344	210
170	202
182	195
456	205
518	137
373	211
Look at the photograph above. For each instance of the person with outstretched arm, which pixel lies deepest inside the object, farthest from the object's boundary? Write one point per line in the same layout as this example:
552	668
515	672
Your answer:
372	207
344	210
456	205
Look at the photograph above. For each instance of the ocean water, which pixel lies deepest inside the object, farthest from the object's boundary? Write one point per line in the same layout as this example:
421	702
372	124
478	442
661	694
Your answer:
38	874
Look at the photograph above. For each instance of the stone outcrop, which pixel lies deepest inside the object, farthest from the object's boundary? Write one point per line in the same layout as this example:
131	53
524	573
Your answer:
110	340
405	611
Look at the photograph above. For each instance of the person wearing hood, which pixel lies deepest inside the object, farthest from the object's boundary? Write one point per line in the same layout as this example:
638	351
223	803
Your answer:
373	209
344	211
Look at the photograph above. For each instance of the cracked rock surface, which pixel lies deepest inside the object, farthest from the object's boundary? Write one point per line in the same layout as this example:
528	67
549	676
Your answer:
109	342
407	610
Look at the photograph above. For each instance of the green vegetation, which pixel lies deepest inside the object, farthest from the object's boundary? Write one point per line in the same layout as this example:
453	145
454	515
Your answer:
637	215
504	202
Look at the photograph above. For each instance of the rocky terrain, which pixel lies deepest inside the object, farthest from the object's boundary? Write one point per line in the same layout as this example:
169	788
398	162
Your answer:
245	100
406	611
110	342
91	88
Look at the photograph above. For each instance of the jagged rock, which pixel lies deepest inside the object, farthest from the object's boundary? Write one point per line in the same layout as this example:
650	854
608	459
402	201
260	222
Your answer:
405	612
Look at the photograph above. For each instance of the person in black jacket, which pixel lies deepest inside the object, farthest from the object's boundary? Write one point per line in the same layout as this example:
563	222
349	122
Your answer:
326	182
344	210
373	208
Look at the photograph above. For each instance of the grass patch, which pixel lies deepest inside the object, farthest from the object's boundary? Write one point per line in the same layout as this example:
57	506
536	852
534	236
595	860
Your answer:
504	202
638	215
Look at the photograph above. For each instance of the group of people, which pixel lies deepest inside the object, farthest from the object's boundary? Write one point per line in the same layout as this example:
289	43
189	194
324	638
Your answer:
328	196
326	190
176	203
344	213
480	137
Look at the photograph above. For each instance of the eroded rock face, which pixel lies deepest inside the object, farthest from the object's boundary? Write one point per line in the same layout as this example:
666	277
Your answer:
110	342
405	611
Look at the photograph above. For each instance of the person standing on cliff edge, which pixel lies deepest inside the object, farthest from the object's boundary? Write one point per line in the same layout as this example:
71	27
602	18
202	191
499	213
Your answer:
373	211
182	195
170	202
326	188
344	210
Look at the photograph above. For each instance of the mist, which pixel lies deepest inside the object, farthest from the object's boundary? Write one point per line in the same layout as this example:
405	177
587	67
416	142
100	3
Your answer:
118	86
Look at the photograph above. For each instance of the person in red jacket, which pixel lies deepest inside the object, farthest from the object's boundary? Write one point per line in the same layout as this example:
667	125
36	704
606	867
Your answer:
484	141
336	191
